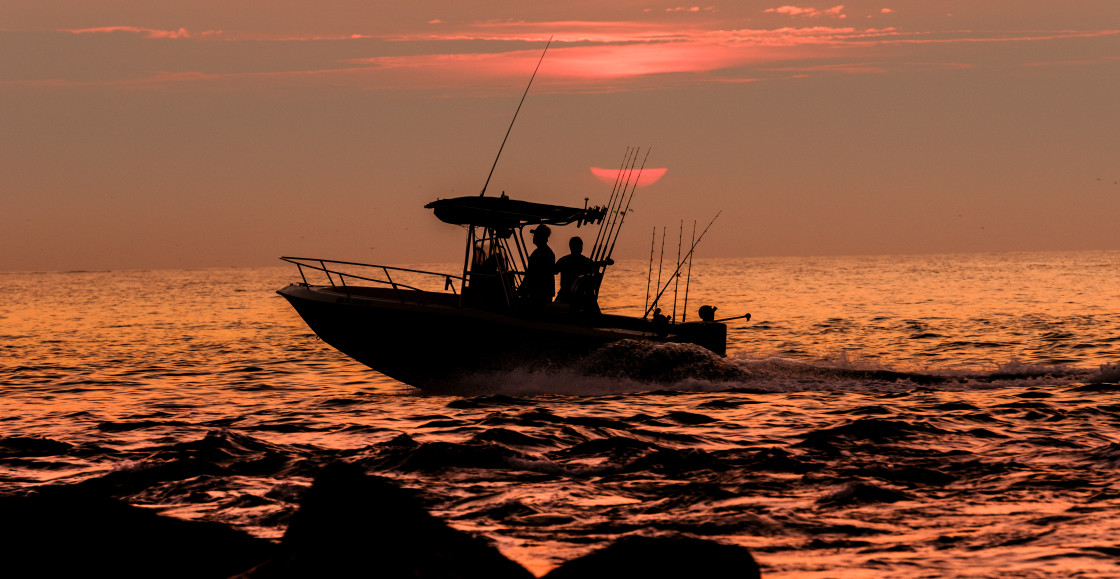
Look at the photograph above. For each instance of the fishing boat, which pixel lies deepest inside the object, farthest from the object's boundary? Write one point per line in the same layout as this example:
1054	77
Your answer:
481	320
484	319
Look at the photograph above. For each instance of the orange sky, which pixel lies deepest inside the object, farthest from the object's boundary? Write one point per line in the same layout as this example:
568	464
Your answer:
140	134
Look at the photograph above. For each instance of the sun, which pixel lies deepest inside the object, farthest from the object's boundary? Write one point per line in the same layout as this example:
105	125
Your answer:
648	176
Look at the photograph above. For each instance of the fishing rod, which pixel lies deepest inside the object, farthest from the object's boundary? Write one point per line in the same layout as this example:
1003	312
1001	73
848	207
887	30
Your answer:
614	216
610	202
649	272
487	184
615	209
679	264
610	252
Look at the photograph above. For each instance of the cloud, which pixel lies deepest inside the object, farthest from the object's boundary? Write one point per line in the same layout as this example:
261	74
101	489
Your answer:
585	56
842	68
145	32
616	54
573	33
834	12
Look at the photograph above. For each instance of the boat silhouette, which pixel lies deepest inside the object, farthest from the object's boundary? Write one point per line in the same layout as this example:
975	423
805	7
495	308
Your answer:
481	320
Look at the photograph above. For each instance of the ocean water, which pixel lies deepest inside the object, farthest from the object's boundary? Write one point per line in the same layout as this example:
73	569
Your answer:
897	416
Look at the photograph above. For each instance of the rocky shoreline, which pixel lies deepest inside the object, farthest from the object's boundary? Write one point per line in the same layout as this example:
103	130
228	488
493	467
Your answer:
349	524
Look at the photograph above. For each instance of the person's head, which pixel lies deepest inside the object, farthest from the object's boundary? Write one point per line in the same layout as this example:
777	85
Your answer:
540	234
576	245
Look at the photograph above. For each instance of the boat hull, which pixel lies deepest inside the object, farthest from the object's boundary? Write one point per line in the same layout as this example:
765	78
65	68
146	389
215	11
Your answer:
426	340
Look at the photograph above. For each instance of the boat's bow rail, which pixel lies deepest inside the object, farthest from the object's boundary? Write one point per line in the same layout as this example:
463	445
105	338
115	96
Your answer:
342	275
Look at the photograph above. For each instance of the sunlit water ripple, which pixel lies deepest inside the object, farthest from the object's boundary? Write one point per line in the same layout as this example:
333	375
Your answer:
889	416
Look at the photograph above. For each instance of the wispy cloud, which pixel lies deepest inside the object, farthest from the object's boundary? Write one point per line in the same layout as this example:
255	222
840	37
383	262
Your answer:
843	68
970	37
834	12
639	33
588	56
615	53
145	32
690	9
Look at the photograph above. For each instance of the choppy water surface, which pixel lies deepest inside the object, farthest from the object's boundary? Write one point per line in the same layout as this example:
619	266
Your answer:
899	416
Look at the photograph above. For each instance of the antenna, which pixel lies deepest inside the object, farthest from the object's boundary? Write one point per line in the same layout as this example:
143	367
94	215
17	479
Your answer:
487	184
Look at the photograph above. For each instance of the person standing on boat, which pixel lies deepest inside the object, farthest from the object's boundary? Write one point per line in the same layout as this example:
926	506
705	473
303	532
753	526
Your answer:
539	285
572	266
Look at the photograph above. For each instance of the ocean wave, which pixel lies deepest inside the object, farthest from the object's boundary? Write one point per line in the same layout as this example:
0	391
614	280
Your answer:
639	367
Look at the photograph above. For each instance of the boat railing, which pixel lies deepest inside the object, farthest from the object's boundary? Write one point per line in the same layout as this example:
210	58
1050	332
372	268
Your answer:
369	273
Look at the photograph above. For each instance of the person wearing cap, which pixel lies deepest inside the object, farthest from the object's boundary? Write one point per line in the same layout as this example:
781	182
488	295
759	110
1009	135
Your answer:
539	285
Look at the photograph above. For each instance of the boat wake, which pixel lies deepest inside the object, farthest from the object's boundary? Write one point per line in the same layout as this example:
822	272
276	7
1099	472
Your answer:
630	366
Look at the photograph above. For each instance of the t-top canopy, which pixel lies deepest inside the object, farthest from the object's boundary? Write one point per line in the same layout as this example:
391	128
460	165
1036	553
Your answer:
505	213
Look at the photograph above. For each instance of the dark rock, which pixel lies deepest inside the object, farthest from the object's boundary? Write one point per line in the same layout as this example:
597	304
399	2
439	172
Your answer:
354	525
71	532
670	557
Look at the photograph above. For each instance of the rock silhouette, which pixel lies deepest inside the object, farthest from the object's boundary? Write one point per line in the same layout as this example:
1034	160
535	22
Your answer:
670	557
354	525
349	524
73	532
